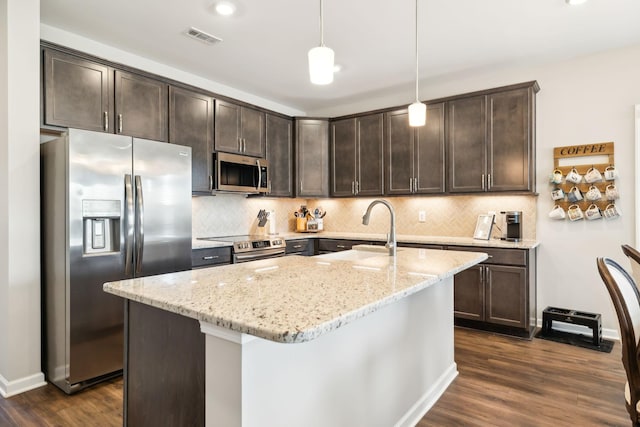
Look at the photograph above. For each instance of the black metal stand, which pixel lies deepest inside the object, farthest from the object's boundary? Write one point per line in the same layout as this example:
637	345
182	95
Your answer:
590	320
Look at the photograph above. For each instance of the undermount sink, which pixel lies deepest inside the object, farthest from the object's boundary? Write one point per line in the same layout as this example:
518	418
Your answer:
359	252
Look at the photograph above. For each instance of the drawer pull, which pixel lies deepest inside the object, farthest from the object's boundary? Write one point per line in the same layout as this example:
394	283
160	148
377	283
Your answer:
297	246
210	257
341	246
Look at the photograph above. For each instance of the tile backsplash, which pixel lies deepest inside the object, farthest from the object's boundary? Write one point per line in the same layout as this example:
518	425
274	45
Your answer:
231	214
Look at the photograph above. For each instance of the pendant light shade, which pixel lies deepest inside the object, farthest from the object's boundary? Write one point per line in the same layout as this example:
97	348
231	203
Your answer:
417	114
321	59
417	110
321	65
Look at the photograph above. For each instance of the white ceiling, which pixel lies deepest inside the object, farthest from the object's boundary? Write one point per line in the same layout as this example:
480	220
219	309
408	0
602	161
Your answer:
264	48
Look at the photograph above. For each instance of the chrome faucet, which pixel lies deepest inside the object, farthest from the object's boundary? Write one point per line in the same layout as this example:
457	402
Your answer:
391	238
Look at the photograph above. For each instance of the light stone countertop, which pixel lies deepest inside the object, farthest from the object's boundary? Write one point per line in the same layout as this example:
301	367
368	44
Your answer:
296	299
401	238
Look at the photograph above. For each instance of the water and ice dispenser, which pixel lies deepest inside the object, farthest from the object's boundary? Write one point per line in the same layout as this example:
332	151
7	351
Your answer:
101	221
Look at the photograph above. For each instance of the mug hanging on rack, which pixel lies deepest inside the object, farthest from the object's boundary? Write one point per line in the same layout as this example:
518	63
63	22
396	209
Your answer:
593	212
557	213
593	194
611	192
610	173
574	195
557	194
574	176
612	211
556	177
575	213
592	175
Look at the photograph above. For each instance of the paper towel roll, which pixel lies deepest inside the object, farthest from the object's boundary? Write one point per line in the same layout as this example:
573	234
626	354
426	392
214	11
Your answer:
272	222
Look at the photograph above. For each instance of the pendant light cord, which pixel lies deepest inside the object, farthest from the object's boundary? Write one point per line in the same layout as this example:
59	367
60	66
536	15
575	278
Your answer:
321	25
417	100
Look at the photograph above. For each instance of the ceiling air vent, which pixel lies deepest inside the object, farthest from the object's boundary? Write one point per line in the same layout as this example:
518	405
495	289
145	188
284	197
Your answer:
202	36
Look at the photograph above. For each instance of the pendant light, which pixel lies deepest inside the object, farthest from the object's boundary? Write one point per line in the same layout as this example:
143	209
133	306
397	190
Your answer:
321	59
417	110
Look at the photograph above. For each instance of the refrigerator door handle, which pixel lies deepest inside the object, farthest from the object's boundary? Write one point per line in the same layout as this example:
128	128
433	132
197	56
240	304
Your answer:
139	224
129	224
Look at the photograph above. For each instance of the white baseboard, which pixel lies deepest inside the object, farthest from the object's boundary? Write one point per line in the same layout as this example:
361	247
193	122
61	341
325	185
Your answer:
422	406
610	334
11	388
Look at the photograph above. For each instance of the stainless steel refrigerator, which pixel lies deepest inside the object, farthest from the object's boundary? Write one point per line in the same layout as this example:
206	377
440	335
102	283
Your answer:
113	207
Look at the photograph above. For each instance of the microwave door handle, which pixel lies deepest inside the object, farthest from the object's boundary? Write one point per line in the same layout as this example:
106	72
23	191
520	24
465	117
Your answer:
259	175
139	224
129	224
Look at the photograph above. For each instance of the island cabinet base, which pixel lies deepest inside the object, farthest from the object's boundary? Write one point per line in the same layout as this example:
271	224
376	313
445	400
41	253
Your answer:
164	368
385	369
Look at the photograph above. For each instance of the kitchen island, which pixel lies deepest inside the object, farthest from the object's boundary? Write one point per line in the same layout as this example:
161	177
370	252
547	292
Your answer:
352	338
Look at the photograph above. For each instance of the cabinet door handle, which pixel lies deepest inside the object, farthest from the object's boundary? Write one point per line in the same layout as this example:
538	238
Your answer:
269	186
415	185
489	182
210	257
482	181
239	144
244	145
119	123
353	187
357	187
106	121
410	185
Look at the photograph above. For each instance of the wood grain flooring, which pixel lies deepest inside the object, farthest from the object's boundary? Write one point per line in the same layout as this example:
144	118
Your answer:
502	382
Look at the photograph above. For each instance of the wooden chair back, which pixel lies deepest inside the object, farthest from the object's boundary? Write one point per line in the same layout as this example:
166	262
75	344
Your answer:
634	259
626	301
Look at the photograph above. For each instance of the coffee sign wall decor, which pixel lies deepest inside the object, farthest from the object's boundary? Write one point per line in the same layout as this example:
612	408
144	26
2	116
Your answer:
582	188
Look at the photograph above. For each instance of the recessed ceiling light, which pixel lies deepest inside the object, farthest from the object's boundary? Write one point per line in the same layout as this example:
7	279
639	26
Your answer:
225	8
575	2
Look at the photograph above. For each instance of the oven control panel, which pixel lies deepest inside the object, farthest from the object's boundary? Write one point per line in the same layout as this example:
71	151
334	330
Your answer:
257	245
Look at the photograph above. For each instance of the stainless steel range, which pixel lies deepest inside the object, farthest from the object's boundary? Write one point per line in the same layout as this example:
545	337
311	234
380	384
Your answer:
253	247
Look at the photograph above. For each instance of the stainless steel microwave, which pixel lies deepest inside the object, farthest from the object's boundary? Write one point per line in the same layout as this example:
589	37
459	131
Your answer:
240	174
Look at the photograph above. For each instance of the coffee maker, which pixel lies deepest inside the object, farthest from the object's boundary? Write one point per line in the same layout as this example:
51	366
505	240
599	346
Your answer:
511	226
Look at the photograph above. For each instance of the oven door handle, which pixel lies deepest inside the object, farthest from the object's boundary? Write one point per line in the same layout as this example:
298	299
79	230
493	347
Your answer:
259	255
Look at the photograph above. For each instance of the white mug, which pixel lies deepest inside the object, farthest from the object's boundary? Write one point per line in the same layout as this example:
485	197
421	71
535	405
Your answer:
593	212
557	213
610	173
575	213
612	211
556	177
612	192
557	194
574	176
593	175
593	194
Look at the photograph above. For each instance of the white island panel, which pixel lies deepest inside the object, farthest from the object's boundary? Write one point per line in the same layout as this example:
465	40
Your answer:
385	369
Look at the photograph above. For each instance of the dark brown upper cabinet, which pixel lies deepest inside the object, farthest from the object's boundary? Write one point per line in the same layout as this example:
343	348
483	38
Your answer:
490	141
191	124
239	129
312	158
415	163
77	93
357	156
279	146
141	106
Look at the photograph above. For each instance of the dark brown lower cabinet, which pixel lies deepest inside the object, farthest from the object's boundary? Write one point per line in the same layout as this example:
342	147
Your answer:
164	368
499	294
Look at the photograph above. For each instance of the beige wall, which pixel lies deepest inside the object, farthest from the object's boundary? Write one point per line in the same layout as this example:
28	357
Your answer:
19	197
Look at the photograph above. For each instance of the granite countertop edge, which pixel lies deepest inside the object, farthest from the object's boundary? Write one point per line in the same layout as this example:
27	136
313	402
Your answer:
283	334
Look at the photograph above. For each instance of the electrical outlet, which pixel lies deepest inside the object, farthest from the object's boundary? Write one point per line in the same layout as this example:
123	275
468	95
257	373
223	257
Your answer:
422	216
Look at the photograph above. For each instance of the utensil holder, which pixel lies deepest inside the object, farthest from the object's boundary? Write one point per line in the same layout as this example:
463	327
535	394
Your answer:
301	224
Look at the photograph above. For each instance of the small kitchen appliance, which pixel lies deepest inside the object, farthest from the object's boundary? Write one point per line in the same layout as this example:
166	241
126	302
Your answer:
511	226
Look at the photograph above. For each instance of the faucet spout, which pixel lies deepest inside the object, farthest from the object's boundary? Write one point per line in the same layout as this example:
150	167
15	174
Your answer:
391	238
